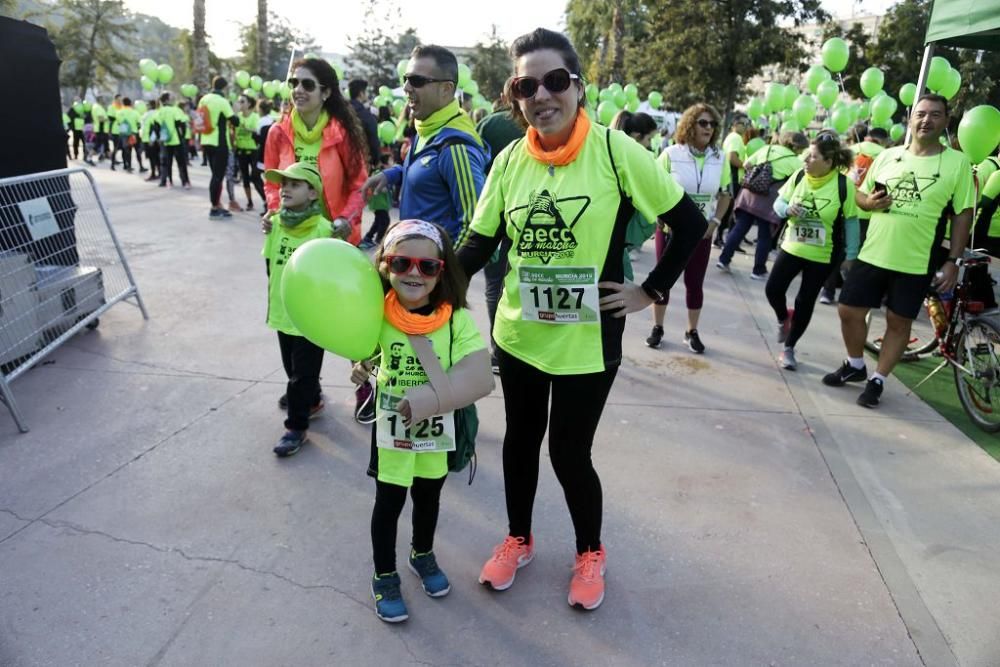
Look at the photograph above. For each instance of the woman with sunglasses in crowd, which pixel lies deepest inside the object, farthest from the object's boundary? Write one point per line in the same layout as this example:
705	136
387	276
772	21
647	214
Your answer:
564	195
695	162
323	130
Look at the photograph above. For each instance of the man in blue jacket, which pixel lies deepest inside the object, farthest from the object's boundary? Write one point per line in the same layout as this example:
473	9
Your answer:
444	171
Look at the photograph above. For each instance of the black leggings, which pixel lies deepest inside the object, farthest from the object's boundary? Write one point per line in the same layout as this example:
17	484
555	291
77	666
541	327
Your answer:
218	160
250	173
303	361
785	268
389	501
577	402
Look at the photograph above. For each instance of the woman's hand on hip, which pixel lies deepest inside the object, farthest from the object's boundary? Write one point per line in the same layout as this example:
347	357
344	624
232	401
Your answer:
624	298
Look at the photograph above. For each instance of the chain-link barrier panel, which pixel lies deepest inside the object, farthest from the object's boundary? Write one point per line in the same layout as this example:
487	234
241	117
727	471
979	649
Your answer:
61	267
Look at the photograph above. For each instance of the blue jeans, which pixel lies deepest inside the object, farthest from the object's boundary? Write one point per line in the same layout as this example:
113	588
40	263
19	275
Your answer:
743	221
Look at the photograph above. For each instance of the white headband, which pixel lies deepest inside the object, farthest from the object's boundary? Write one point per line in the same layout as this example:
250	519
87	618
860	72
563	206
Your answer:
406	228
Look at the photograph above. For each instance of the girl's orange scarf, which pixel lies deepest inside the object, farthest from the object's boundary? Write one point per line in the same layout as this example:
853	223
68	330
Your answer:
565	153
411	323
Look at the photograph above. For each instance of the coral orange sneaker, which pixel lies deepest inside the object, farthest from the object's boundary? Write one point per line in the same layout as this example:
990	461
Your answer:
586	588
513	554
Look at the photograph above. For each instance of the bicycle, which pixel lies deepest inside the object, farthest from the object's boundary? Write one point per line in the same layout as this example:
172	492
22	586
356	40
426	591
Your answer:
968	341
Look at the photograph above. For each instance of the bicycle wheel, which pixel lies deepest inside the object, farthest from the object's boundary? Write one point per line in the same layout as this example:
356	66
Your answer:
978	351
922	341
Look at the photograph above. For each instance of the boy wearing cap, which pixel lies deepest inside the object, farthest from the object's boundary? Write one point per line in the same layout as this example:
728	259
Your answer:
301	218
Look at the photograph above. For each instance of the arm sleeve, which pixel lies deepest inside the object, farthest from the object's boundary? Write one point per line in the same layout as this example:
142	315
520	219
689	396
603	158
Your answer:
464	171
355	203
852	237
781	207
394	175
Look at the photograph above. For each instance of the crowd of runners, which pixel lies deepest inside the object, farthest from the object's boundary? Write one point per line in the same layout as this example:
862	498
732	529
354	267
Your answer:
550	205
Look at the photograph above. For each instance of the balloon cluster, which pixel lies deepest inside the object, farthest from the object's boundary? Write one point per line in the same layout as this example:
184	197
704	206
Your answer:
152	74
255	86
609	101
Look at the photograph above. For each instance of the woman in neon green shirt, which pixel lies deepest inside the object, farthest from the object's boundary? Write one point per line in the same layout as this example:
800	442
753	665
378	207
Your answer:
564	195
246	148
818	202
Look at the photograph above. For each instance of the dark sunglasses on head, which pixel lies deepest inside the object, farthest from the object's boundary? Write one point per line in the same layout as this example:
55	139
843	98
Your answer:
707	123
556	81
419	81
308	85
401	264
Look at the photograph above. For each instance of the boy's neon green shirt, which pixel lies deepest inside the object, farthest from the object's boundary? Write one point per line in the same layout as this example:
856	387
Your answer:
923	188
811	235
399	370
279	245
560	220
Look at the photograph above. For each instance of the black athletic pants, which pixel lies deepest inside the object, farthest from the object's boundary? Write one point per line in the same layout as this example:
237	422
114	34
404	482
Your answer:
77	140
218	162
577	402
378	228
785	268
167	154
153	155
251	174
389	501
303	362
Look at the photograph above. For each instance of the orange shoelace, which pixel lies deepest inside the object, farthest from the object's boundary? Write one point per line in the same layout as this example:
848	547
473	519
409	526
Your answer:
411	323
565	153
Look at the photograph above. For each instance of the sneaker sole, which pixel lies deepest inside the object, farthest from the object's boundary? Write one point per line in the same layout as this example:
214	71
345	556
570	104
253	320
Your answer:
508	584
291	452
388	619
652	345
439	594
691	347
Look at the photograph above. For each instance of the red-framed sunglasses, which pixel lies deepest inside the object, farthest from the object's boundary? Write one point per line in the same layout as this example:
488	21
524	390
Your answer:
401	265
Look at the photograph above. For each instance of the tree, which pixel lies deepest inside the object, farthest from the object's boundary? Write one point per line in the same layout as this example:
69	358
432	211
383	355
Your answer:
490	65
94	42
603	32
281	39
375	52
199	47
263	50
693	54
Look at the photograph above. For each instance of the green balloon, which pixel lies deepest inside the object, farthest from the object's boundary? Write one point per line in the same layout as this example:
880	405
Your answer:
897	131
774	121
804	109
655	99
146	82
865	110
333	295
791	94
189	90
791	125
242	79
606	112
140	106
835	54
774	97
464	75
616	88
938	72
816	75
840	120
632	105
387	132
604	95
872	80
401	67
827	93
78	107
979	132
908	94
592	92
285	91
952	84
631	92
755	107
268	88
755	145
618	97
164	73
882	108
256	82
397	106
148	68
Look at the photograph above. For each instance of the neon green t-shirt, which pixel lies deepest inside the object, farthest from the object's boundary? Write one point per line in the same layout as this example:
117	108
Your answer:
279	245
992	191
984	170
220	111
127	121
561	219
811	236
307	152
784	162
167	116
99	116
146	125
245	131
902	237
733	143
400	369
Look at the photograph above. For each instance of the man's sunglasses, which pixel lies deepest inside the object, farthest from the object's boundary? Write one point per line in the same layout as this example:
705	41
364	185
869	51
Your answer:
556	81
308	85
401	265
707	123
419	81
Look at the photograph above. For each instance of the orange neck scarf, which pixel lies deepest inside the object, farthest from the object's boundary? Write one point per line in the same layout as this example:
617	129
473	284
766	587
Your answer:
565	153
411	323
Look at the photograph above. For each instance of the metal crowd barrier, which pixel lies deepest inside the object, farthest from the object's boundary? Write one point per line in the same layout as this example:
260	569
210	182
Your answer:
61	268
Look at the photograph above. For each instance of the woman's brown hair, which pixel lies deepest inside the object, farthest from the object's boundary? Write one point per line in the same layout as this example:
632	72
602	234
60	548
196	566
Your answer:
831	149
688	123
452	283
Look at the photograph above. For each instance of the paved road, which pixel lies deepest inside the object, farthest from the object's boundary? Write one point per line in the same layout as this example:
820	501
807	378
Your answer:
753	516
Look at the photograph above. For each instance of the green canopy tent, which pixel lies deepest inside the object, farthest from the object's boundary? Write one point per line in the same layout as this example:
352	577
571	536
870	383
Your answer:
968	24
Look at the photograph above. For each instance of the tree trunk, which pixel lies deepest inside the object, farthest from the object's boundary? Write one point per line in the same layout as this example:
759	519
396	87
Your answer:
618	52
199	47
263	52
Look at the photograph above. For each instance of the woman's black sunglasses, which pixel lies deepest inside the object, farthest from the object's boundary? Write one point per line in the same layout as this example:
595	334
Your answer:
401	265
707	123
308	85
556	81
419	81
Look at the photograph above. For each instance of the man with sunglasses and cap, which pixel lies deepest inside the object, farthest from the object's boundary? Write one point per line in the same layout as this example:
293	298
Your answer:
444	171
